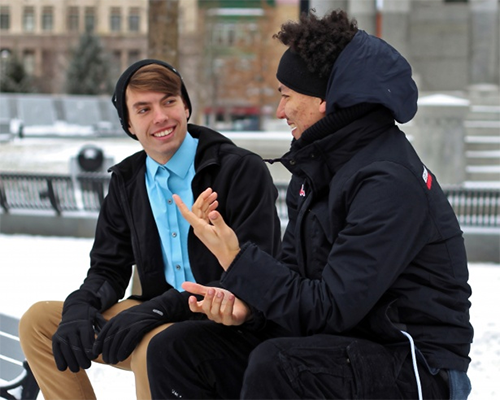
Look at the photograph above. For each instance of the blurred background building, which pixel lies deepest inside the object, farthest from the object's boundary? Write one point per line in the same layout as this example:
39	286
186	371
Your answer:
225	50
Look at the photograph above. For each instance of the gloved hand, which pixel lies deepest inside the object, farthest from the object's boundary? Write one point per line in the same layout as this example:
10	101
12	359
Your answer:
122	333
72	343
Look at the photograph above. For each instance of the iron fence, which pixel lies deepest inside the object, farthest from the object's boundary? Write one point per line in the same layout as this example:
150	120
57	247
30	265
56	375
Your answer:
476	207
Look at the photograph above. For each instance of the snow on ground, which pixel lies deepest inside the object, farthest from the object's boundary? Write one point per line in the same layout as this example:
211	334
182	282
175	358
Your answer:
49	268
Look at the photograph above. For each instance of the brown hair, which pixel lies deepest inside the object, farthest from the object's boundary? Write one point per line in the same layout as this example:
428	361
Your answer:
157	78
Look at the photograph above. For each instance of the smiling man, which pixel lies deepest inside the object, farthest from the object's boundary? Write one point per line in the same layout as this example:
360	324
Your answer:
140	225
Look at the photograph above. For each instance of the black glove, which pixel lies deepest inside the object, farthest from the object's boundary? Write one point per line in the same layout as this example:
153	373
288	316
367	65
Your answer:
122	333
72	343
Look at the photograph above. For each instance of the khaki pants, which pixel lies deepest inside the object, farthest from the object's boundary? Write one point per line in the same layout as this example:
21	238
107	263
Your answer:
36	328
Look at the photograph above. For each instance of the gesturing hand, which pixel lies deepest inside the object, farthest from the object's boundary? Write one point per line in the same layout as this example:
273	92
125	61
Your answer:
219	305
210	228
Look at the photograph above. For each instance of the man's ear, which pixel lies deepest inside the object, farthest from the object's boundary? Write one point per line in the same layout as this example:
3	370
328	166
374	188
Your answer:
130	129
322	107
186	108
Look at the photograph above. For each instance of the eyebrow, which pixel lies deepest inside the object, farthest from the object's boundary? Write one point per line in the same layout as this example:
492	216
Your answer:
145	103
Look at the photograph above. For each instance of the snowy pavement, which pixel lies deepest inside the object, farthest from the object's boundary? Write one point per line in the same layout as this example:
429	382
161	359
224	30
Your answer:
37	268
48	268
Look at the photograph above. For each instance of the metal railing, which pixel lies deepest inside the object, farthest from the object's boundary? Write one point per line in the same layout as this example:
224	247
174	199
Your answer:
474	207
60	193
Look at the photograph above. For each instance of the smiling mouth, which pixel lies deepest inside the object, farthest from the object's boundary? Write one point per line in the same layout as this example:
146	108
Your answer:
164	133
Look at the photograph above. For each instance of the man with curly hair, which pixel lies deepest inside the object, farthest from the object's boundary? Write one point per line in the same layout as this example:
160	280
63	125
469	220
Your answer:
370	289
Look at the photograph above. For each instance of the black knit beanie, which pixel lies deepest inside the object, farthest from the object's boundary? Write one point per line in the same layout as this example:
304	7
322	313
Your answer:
293	72
118	98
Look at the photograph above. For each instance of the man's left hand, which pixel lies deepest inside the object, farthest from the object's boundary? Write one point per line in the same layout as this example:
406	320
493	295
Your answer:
120	336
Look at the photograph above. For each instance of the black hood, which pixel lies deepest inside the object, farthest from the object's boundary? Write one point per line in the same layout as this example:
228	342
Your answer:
369	70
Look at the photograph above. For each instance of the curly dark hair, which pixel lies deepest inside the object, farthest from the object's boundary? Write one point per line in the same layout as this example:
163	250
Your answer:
318	41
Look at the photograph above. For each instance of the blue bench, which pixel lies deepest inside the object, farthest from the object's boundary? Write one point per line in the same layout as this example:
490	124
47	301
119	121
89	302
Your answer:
16	378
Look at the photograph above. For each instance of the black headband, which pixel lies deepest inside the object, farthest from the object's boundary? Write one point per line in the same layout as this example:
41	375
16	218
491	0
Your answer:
293	72
118	98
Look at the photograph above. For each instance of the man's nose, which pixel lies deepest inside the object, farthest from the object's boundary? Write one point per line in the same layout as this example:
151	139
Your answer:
160	115
280	111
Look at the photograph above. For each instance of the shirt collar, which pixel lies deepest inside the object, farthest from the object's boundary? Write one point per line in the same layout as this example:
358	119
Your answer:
180	162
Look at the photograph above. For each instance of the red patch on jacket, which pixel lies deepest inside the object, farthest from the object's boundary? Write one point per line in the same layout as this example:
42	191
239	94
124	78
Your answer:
427	178
302	192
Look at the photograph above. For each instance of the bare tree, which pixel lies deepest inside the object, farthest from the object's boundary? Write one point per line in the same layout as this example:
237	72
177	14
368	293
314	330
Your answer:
163	30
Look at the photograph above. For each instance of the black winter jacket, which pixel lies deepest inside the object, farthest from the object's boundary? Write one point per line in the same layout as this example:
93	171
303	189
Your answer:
126	232
372	247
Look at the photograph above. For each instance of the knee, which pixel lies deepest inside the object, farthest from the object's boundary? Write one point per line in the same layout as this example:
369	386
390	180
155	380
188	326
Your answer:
169	345
139	355
157	347
162	342
41	318
263	361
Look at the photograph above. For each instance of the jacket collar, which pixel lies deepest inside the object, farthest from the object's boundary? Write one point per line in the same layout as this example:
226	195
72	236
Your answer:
207	153
320	159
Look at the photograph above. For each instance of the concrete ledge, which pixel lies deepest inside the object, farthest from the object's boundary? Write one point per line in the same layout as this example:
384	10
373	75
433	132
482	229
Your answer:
49	224
482	244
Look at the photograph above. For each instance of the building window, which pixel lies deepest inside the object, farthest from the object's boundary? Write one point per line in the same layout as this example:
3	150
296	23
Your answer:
4	18
116	20
29	19
47	19
133	20
29	61
90	21
73	19
251	34
224	34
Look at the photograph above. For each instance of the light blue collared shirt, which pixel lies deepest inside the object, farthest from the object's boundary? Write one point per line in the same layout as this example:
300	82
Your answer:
162	181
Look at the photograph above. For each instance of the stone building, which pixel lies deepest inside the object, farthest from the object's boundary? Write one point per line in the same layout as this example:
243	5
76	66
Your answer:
43	32
225	49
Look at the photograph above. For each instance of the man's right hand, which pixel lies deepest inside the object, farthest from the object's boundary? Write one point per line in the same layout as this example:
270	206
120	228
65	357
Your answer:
219	305
73	341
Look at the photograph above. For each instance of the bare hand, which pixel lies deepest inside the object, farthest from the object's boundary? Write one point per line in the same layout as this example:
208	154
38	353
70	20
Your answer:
205	203
210	228
219	305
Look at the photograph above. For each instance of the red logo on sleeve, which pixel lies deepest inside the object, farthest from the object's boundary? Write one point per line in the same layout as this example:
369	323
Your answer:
427	178
302	192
